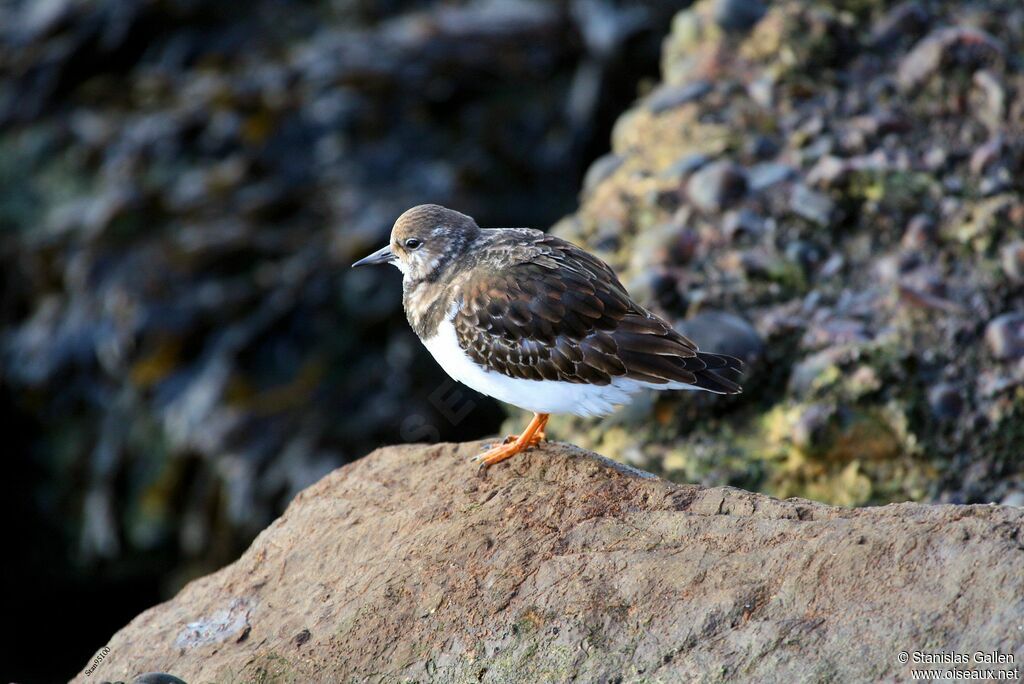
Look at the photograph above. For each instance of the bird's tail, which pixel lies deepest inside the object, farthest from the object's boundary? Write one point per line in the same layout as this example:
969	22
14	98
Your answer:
710	378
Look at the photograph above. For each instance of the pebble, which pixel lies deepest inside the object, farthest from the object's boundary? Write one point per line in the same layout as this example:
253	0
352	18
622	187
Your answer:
953	184
985	155
811	205
812	425
742	224
803	379
684	247
944	48
818	148
762	91
761	147
920	232
656	284
1012	259
905	20
669	97
717	186
599	170
829	171
994	110
804	253
936	158
763	176
990	186
832	267
1004	336
687	165
738	15
945	400
835	332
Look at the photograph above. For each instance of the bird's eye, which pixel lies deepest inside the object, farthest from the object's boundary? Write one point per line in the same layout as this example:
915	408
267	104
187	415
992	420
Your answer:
413	243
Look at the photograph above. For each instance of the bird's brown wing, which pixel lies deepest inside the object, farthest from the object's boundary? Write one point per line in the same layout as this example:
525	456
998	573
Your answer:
559	313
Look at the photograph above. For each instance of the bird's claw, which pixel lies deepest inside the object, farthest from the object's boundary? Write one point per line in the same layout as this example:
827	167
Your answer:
514	444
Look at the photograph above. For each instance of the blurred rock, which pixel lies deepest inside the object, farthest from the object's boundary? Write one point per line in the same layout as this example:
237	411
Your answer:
738	15
813	206
993	111
945	400
763	176
905	20
688	165
717	186
811	426
742	224
1012	260
599	170
955	46
921	232
670	97
1005	336
761	147
805	253
985	155
725	333
808	372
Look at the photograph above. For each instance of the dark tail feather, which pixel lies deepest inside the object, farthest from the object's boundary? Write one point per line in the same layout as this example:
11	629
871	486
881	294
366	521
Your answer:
700	371
720	361
711	381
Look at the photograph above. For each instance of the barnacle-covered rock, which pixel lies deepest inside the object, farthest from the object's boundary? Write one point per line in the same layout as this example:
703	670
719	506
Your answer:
874	248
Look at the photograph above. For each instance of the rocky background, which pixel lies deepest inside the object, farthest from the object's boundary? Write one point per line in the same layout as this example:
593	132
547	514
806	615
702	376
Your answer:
833	191
829	188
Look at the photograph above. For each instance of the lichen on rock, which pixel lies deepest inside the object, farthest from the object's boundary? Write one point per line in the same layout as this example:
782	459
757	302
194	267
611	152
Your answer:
864	226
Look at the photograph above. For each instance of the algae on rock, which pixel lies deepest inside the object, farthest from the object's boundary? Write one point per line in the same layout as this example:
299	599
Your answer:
865	248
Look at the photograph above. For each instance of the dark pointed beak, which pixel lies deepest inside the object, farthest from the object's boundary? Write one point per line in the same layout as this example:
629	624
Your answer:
384	255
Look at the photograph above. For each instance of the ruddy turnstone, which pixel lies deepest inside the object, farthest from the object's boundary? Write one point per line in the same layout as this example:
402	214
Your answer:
534	321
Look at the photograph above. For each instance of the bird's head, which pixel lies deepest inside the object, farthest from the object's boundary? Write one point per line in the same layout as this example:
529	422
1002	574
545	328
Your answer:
424	240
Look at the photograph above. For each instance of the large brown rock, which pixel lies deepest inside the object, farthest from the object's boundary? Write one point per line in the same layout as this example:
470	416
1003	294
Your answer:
412	565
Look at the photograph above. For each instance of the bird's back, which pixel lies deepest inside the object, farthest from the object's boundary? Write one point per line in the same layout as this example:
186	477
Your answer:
535	307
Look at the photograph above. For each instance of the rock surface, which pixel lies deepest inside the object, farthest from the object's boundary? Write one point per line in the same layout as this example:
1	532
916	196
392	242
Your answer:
410	565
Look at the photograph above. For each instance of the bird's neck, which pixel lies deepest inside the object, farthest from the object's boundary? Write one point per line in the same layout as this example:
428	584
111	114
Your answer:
426	305
428	299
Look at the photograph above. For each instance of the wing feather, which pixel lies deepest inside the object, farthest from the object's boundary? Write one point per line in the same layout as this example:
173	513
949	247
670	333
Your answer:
558	313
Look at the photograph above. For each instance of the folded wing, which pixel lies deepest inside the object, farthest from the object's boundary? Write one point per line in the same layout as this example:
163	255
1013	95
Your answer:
559	313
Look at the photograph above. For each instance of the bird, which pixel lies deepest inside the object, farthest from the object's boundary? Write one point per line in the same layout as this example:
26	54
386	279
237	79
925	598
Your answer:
534	321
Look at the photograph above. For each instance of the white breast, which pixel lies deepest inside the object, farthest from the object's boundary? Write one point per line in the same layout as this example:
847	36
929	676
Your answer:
539	396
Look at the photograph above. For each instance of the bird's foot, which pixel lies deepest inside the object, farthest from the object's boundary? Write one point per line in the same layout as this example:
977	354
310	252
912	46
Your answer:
500	453
514	444
534	441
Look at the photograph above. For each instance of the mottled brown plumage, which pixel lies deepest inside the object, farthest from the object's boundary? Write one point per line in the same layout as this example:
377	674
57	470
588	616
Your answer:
533	306
539	308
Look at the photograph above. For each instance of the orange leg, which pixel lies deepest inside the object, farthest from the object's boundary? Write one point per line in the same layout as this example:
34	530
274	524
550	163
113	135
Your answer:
532	435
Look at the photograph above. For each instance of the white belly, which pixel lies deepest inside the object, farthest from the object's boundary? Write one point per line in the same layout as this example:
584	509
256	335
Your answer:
539	396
